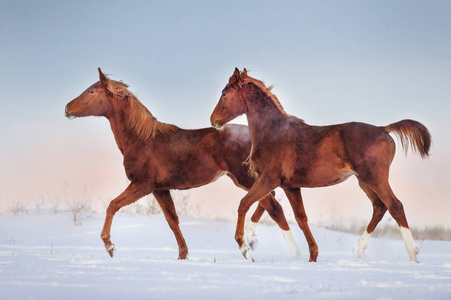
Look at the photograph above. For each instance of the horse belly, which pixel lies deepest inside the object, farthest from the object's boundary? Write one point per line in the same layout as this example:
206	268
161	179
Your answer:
186	177
320	179
328	169
332	179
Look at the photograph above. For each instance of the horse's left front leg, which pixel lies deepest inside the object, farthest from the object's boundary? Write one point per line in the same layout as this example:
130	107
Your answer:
260	189
295	198
131	194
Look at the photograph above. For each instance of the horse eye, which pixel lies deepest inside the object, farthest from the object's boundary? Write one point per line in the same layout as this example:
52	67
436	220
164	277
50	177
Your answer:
223	95
91	92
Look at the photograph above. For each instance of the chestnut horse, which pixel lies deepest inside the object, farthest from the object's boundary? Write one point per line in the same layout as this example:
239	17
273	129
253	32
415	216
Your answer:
289	153
159	157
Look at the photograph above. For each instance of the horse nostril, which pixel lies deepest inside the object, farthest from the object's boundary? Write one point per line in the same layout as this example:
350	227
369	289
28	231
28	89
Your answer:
69	115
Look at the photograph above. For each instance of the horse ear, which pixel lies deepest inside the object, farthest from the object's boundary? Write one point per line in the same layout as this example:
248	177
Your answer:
103	78
235	77
244	72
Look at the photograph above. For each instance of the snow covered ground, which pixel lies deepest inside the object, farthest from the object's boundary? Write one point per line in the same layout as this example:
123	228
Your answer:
45	256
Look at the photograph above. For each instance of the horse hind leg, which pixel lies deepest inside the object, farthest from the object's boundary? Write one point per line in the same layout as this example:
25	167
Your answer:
166	203
396	210
275	210
379	210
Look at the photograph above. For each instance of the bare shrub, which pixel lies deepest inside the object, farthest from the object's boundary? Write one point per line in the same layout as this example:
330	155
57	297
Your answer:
437	233
391	231
145	206
181	202
80	212
17	208
150	206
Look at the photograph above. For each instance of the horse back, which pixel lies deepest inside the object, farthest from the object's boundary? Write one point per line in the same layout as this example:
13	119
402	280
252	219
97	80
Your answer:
189	158
327	155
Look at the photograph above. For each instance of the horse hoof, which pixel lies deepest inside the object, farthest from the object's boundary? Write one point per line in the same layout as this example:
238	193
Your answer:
360	256
111	249
311	259
251	235
183	256
244	251
253	244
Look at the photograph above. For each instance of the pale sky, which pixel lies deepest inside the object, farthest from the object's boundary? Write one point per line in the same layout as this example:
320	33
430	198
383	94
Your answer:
330	61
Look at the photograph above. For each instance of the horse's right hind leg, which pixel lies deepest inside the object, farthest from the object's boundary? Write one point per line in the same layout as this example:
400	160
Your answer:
379	210
164	198
396	209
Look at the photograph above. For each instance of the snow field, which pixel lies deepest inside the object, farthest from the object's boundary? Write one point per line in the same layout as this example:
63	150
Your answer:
45	256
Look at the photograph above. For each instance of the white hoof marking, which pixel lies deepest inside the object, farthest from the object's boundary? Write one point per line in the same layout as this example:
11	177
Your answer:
251	235
245	251
411	248
363	243
291	244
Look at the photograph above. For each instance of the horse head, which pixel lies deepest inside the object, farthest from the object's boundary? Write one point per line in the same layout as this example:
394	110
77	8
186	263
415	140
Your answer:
231	103
94	101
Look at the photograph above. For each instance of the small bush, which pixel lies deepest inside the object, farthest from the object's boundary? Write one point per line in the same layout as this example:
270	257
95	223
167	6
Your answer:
17	208
391	231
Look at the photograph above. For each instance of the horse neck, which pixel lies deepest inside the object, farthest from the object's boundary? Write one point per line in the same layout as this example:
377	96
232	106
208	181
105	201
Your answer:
120	124
262	115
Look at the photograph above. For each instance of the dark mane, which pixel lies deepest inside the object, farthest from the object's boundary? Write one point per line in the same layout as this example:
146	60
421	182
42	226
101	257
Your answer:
245	79
141	120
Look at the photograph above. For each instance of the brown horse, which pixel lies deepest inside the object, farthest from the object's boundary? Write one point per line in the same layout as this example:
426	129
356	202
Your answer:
159	157
287	152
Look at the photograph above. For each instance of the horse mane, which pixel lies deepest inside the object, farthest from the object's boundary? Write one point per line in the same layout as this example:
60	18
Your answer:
141	120
245	79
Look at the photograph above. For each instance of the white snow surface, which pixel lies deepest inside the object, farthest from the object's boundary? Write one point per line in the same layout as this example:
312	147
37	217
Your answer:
45	256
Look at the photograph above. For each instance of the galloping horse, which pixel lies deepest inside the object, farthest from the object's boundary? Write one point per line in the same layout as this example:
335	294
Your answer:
289	153
159	157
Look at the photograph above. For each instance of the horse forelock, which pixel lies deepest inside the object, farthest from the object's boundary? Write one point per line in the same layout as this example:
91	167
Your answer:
246	79
141	120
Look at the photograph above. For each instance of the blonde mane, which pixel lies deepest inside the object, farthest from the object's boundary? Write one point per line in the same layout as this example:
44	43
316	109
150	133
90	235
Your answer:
141	120
245	79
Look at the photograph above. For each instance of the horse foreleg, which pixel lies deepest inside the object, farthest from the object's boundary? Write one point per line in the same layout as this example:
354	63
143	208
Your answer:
259	190
295	198
250	229
167	206
275	210
131	194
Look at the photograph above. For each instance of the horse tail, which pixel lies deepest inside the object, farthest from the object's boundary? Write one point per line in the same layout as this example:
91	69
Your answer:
413	133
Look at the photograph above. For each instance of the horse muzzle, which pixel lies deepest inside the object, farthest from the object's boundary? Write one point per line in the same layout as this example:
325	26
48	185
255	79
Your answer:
216	125
69	115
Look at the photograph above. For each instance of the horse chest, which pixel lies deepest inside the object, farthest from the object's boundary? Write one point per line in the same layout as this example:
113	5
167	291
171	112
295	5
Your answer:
138	163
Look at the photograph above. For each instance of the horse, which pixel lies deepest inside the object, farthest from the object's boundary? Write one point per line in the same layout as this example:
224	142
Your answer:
159	157
289	153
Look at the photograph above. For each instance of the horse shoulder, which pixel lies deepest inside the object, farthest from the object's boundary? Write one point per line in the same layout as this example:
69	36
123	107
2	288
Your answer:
138	161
